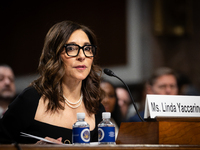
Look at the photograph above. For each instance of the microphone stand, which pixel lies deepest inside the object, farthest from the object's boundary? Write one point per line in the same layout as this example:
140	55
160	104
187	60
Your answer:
110	73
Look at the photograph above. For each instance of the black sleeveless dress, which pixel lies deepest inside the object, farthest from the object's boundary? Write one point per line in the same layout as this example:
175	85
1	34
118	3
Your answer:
20	118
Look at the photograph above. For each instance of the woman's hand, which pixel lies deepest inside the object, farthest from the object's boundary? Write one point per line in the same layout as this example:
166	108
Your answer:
57	141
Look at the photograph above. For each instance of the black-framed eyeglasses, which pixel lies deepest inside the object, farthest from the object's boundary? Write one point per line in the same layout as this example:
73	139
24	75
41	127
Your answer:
74	49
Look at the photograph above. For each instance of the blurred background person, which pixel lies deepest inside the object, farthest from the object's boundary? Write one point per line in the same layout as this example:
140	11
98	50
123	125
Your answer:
124	102
185	85
110	102
7	87
163	82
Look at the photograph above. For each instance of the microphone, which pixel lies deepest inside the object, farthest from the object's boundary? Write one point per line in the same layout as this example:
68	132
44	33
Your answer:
112	74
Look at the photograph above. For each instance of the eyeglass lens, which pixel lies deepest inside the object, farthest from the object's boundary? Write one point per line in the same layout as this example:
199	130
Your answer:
73	50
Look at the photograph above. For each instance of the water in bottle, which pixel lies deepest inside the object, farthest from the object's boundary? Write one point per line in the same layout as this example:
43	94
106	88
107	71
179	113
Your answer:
106	130
81	130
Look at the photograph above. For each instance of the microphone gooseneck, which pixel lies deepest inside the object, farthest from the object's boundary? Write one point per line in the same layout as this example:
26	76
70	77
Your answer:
111	73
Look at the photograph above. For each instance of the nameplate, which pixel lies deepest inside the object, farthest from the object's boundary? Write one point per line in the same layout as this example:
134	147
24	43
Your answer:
171	106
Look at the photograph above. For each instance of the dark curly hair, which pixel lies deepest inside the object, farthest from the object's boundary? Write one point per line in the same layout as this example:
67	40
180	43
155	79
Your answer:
116	114
51	69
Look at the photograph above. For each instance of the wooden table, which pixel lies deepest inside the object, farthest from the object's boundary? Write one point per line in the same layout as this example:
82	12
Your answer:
100	147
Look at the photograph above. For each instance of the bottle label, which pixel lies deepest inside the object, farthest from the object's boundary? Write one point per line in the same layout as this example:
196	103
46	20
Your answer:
106	134
81	135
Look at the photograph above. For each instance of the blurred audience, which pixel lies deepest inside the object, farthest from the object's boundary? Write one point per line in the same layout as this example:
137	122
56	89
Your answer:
110	102
186	87
7	87
124	102
163	81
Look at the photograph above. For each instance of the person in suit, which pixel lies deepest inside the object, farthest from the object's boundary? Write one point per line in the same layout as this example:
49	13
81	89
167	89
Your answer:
163	81
7	87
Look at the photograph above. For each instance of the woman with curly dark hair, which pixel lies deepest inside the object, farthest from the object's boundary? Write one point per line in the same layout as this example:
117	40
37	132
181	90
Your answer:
69	83
110	103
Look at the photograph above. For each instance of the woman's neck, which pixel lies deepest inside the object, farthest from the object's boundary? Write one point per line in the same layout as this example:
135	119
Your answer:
72	90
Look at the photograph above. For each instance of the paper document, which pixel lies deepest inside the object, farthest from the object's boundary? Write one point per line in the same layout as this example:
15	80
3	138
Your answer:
45	140
36	137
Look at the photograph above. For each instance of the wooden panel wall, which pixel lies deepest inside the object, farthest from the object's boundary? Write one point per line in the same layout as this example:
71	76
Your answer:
24	25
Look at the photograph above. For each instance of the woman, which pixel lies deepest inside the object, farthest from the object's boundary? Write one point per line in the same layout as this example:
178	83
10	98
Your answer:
110	102
69	83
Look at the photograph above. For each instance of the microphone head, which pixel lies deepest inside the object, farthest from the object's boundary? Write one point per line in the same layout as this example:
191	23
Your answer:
108	72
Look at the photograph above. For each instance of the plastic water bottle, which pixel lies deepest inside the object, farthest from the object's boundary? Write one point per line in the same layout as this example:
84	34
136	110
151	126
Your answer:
106	130
81	130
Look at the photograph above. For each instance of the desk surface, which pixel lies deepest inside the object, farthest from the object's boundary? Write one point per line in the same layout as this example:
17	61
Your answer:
99	147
